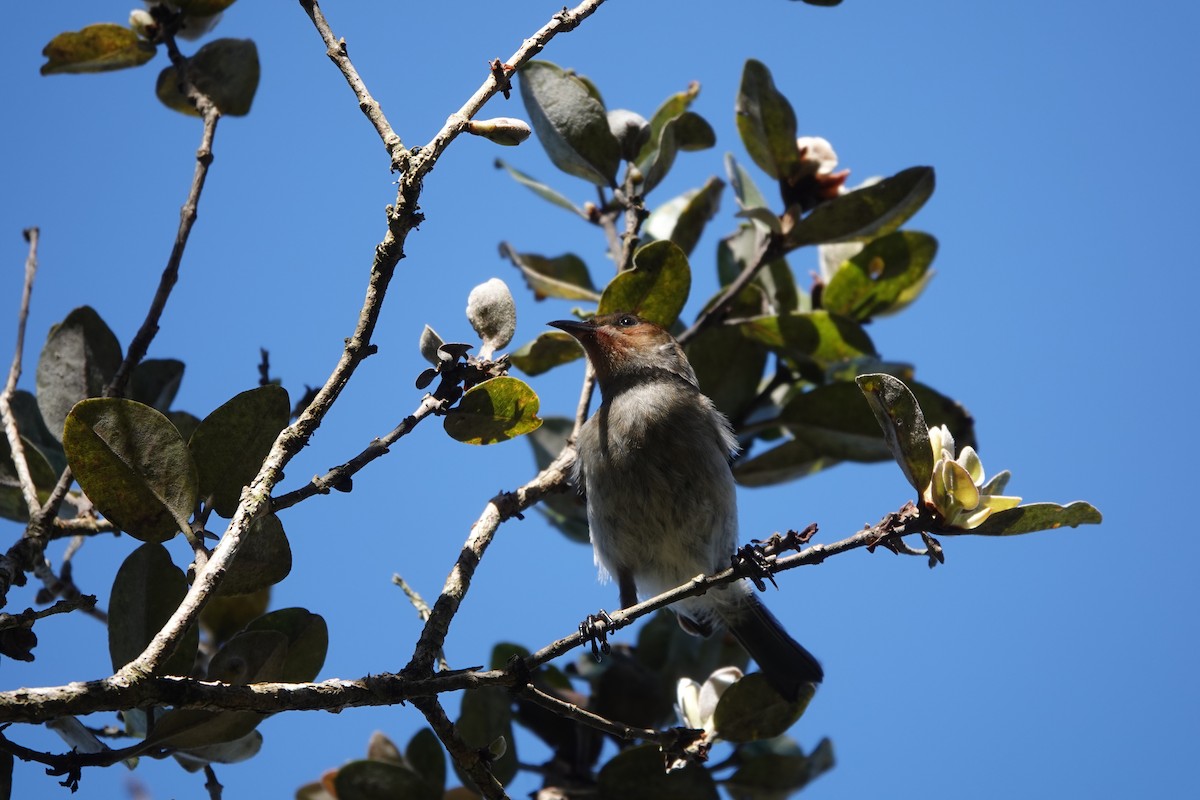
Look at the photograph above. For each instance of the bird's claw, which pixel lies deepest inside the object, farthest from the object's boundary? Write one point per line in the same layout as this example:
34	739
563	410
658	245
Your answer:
594	630
753	558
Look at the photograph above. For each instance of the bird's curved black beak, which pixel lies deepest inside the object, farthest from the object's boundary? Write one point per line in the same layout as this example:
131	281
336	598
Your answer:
573	327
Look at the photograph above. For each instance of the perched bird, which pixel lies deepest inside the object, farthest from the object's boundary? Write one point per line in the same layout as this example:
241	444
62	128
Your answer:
653	462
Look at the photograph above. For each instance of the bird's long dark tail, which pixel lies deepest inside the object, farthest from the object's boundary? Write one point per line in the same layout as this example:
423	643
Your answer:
783	660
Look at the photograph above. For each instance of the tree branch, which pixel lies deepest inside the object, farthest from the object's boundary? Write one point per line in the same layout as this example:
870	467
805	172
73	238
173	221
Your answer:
765	253
336	50
256	499
336	477
501	508
36	705
475	764
28	490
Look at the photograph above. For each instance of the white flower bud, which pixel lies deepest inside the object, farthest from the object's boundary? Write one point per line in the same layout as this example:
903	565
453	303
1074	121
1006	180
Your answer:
817	154
142	23
506	131
493	314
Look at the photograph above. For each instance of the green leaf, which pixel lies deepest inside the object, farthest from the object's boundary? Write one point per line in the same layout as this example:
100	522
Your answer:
766	122
835	421
308	641
486	716
1037	517
494	411
32	427
818	335
547	351
670	109
728	365
184	422
767	769
12	499
655	289
155	382
638	773
133	465
226	70
427	758
904	427
80	357
222	617
867	212
878	277
540	189
97	48
744	189
250	657
750	709
793	459
146	591
379	780
565	277
570	122
193	728
745	248
672	653
688	131
683	219
566	511
243	749
264	559
232	442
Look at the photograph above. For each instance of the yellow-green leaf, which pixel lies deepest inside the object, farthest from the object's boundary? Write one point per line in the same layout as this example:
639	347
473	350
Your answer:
547	351
97	48
494	411
655	289
1037	517
133	465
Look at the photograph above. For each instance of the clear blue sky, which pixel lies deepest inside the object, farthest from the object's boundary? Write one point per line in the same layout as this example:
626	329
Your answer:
1053	665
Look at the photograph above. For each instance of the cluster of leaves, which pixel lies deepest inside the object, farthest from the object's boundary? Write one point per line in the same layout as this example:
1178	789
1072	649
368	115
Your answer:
955	491
153	473
778	360
226	70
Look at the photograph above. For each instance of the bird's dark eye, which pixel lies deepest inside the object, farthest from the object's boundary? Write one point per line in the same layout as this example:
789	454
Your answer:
627	321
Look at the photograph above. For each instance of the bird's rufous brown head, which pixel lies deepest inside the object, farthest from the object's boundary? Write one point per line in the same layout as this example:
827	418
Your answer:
624	345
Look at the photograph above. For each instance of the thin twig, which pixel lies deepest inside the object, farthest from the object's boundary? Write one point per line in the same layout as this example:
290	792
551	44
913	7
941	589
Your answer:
80	526
29	616
211	783
502	507
337	477
28	489
896	524
422	609
764	255
562	22
335	48
627	733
